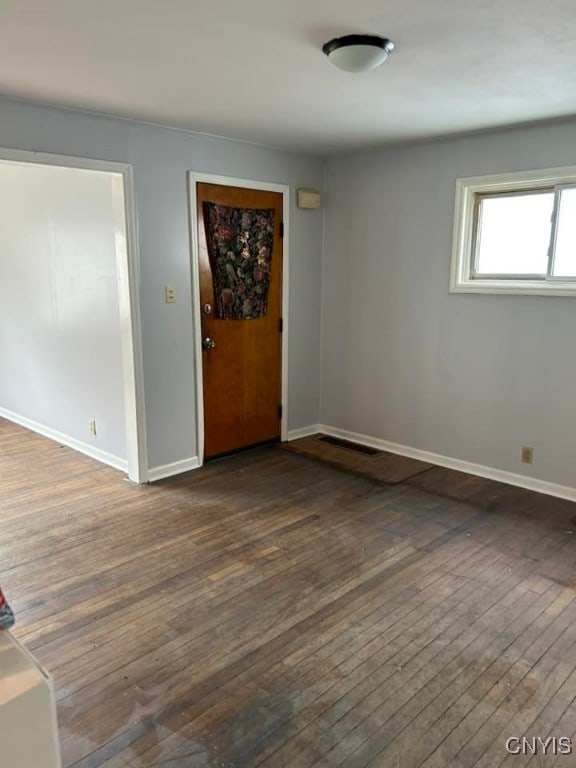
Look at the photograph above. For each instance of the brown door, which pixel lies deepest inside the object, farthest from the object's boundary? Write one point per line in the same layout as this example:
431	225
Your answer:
241	358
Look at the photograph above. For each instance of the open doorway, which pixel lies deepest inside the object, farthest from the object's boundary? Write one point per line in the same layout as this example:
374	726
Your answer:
69	327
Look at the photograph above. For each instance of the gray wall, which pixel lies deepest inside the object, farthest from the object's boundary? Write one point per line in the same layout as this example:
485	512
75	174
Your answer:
473	377
161	158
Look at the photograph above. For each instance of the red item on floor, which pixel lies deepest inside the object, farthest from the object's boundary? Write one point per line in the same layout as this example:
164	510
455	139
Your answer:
6	615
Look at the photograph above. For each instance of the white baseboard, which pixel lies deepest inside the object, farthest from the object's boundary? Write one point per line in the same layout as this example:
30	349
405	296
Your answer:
295	434
185	465
176	468
70	442
491	473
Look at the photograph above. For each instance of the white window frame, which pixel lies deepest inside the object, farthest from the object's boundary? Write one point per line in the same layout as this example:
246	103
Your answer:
462	279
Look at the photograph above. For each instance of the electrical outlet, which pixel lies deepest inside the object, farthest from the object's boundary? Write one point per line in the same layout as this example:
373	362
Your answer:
527	454
93	426
170	294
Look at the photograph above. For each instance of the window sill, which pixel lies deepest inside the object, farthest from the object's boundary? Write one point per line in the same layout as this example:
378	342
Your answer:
515	287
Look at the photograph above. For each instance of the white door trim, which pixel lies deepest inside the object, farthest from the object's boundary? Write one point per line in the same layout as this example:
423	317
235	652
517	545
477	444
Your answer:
127	263
229	181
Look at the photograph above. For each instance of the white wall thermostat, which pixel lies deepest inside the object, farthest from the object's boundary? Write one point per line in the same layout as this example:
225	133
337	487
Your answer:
308	198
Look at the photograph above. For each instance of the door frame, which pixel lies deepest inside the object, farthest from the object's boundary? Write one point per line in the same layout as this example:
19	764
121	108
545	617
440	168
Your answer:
127	275
194	178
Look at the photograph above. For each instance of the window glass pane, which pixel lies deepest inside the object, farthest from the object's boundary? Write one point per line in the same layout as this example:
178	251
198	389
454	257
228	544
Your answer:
565	252
514	234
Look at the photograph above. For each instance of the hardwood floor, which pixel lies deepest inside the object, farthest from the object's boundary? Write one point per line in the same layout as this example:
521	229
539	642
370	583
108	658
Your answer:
268	610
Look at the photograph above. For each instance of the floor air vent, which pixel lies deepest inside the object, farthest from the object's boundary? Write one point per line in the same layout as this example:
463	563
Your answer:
351	446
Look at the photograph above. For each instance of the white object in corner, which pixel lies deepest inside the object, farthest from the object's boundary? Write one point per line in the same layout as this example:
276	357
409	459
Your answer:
27	710
308	198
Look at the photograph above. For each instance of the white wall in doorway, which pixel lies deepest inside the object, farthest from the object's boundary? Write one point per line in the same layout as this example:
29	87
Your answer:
60	335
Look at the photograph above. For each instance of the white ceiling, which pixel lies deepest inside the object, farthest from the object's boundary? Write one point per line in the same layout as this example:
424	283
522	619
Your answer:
254	70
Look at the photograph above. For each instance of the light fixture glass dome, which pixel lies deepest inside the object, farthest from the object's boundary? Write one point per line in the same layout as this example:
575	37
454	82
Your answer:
358	53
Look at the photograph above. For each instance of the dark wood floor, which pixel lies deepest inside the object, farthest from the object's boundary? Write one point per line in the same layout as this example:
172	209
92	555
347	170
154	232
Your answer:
268	610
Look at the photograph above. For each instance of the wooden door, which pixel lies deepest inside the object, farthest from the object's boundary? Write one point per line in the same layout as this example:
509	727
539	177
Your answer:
241	358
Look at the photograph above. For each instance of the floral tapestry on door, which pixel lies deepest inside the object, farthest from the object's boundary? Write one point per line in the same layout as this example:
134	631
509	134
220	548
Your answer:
240	249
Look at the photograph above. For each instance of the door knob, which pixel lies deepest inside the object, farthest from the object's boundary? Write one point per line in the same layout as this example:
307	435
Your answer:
208	343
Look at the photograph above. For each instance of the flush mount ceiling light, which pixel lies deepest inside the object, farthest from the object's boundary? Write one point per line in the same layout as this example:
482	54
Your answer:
358	53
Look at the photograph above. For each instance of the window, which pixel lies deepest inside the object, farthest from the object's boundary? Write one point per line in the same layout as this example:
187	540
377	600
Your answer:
516	233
